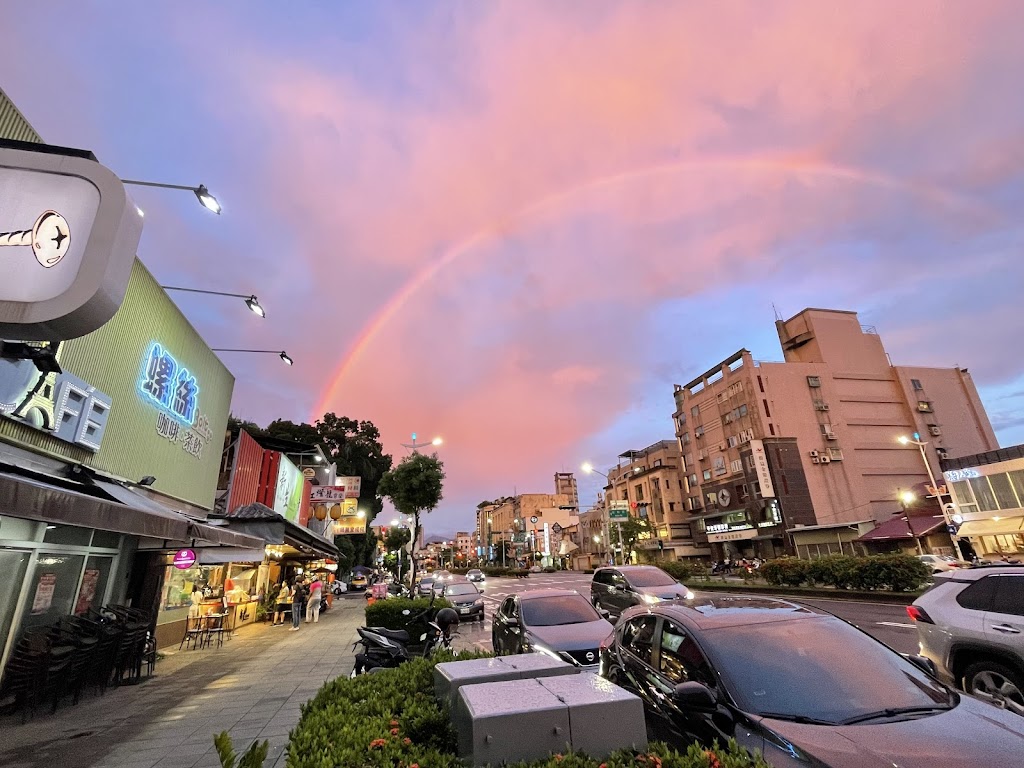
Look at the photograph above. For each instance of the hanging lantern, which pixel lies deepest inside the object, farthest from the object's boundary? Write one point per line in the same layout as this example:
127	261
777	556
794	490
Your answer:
335	511
320	512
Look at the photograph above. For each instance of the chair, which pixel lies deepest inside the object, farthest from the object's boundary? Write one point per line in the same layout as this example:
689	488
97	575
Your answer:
194	632
215	629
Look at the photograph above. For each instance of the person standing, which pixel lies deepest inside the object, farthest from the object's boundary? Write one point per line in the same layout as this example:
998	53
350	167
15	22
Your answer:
316	590
298	601
283	598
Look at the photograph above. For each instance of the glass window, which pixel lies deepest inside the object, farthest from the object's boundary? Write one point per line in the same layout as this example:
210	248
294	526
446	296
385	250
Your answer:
719	465
179	584
813	381
649	577
94	584
681	660
67	534
685	437
106	540
1009	595
13	565
461	589
556	611
983	493
639	491
978	596
698	431
638	637
916	384
695	411
1003	491
1017	480
707	474
53	588
924	406
16	529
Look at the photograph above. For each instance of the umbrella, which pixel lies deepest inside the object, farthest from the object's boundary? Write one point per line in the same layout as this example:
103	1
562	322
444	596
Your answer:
362	570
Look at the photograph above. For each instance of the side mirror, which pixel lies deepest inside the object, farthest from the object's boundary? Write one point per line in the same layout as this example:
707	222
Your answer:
925	664
511	622
694	696
621	588
605	613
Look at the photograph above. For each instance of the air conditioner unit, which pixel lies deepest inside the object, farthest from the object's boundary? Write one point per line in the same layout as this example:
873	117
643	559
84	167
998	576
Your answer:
814	454
830	435
934	430
815	459
825	460
835	454
722	447
821	406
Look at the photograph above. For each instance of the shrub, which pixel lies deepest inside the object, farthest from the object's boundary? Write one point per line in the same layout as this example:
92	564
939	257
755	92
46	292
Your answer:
839	571
677	570
788	571
391	719
898	572
388	613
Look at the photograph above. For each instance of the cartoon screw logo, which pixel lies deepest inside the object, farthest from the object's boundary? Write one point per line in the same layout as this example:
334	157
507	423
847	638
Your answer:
50	238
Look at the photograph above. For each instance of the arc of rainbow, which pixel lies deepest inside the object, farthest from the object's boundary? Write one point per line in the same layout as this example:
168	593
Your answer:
793	165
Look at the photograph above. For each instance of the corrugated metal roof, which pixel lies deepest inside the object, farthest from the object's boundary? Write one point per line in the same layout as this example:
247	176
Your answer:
13	124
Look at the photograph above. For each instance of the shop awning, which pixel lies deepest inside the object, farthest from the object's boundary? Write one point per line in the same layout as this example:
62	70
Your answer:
218	555
260	521
1006	526
897	529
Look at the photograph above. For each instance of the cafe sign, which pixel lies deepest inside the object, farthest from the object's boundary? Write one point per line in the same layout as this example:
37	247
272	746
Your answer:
172	389
184	558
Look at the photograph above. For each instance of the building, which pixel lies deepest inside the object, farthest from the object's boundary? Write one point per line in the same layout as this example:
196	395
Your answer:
565	484
465	546
988	500
653	483
844	404
532	527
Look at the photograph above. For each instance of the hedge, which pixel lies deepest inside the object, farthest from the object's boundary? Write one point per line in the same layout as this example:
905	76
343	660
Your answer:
388	613
896	573
391	719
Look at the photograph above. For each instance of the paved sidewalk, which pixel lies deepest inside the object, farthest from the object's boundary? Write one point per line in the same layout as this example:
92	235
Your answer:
253	688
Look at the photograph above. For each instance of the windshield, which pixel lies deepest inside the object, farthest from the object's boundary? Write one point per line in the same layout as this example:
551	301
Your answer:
427	580
461	589
558	609
649	577
474	572
820	668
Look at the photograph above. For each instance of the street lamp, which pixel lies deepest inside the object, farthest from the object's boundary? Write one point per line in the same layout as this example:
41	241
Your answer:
283	355
208	201
588	469
904	440
250	301
906	499
414	445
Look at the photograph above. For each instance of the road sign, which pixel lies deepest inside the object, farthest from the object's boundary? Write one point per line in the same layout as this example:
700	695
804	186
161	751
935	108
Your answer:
556	528
618	514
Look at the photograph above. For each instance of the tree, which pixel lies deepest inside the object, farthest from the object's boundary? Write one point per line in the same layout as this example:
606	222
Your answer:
415	486
632	529
397	538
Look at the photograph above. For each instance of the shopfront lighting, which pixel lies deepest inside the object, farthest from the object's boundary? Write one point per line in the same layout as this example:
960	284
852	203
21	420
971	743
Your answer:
908	498
208	201
360	514
283	355
250	300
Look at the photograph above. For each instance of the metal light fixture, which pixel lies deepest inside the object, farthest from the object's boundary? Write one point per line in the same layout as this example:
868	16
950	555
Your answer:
146	481
250	301
283	355
208	201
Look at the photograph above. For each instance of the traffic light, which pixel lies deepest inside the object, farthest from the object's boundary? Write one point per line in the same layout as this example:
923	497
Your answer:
661	545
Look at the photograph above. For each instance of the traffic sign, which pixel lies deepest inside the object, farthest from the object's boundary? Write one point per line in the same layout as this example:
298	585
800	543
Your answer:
618	514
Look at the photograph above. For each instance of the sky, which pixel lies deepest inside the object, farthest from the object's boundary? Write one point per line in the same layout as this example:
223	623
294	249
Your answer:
517	224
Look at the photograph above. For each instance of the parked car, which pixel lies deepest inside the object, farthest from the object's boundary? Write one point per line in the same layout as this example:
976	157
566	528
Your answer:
466	599
425	586
616	589
802	686
971	624
942	563
358	582
557	622
476	575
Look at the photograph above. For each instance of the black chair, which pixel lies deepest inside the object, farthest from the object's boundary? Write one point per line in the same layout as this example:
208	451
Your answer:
194	632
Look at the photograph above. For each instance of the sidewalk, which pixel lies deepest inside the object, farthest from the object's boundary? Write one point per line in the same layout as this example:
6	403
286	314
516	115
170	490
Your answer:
253	688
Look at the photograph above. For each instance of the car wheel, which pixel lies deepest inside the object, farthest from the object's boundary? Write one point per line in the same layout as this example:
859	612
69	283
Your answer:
996	683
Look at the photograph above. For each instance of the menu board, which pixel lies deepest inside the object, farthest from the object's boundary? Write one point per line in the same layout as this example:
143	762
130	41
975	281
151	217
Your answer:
87	592
44	593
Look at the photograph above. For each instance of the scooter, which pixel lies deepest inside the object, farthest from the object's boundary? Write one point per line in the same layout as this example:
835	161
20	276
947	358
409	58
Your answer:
387	648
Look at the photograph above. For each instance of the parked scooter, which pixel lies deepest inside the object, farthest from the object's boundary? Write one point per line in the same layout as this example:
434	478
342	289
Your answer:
388	648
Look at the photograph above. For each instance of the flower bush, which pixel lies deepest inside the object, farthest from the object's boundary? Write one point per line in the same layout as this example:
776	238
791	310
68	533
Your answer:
391	720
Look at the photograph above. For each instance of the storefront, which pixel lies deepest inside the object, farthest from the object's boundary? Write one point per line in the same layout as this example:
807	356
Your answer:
988	501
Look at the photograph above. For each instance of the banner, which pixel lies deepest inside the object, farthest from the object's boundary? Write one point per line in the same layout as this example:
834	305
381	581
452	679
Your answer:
764	477
349	522
288	492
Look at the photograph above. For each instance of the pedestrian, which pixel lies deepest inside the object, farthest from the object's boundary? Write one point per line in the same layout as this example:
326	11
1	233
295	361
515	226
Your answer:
196	600
316	589
298	601
282	598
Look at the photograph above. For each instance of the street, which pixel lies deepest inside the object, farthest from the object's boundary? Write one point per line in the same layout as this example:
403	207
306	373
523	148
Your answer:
887	623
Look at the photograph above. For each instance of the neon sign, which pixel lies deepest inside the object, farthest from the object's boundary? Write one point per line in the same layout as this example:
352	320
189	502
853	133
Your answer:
955	475
169	385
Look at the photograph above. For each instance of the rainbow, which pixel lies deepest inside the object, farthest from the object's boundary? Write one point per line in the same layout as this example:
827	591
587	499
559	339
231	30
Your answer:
497	230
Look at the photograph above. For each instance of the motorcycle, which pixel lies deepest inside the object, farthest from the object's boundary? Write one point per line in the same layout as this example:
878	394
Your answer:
388	648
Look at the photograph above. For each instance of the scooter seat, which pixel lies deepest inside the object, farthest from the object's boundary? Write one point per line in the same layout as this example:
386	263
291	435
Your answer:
391	634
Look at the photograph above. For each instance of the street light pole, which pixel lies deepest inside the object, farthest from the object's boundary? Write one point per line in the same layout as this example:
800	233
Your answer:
588	468
413	446
938	496
906	499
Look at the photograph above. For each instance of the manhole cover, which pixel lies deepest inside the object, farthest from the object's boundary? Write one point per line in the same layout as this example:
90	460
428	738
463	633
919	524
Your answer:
81	735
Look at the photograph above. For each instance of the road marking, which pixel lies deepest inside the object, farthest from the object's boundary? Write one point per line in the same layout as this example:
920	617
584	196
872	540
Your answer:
895	624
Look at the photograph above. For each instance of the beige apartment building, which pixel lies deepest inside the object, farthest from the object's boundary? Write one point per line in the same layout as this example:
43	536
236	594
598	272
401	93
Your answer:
533	522
565	483
465	545
838	401
653	482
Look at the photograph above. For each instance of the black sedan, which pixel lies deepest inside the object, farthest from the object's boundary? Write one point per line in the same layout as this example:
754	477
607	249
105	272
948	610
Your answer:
466	599
804	687
558	622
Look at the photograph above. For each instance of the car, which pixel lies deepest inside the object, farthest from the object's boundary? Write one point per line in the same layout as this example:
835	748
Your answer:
476	575
970	623
560	623
942	563
614	589
425	586
358	582
801	686
466	599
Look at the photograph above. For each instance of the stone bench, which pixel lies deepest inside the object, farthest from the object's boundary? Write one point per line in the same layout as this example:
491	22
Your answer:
450	676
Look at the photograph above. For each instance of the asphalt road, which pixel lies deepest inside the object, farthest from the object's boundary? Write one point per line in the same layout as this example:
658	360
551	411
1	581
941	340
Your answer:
887	623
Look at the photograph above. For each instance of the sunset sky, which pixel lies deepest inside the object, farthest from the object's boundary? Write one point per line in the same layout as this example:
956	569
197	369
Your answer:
517	224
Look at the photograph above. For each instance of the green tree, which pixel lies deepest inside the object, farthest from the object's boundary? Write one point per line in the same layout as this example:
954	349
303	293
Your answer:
415	487
632	529
397	538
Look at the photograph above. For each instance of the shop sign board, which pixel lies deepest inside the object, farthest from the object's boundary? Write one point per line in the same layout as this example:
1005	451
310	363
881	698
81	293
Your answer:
764	477
173	391
69	233
288	492
44	593
349	521
184	558
733	535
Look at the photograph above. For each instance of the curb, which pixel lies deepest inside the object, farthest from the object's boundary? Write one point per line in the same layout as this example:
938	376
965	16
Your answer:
889	598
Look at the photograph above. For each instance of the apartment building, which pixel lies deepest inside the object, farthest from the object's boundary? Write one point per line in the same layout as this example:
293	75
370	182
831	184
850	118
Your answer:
565	483
653	483
841	406
532	522
465	545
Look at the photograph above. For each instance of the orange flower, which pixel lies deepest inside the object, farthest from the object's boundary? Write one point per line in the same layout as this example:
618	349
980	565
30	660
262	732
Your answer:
559	758
603	765
655	760
414	765
394	723
712	759
377	743
394	731
407	741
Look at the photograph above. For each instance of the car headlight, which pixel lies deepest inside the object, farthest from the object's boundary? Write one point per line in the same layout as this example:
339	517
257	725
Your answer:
533	645
651	599
689	595
478	601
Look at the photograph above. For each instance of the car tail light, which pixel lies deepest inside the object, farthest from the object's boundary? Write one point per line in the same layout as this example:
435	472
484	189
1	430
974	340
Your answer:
607	642
919	614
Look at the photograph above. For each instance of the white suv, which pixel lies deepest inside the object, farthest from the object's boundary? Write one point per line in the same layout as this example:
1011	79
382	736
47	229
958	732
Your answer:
971	624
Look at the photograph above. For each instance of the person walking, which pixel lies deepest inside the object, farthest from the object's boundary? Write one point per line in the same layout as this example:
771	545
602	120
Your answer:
316	590
282	598
298	601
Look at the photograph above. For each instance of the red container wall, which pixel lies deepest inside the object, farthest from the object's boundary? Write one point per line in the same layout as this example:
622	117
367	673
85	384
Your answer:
306	507
268	478
245	476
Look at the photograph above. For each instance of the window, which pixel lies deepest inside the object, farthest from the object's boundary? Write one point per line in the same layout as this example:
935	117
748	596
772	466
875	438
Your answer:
983	493
742	410
766	411
916	384
698	431
639	491
733	441
741	492
760	384
756	488
695	411
681	660
638	637
692	479
657	463
978	596
685	438
707	474
695	503
712	500
1009	595
736	465
671	506
719	465
750	462
813	381
771	429
924	406
1004	492
682	420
